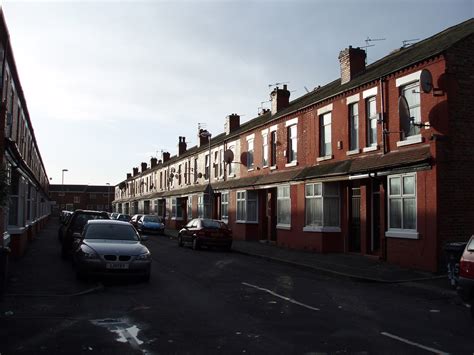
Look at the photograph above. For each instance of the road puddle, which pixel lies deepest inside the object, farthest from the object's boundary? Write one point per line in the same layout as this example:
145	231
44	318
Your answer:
125	331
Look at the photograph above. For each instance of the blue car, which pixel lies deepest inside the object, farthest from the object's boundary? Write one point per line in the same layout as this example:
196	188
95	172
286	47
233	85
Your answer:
151	224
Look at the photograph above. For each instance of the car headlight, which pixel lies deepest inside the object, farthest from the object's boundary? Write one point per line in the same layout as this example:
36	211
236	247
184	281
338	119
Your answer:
144	256
88	253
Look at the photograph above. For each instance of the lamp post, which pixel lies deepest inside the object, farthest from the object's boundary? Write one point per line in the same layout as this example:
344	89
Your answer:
205	133
62	181
108	197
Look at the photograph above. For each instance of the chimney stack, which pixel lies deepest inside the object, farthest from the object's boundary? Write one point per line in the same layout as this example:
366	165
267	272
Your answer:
144	166
280	99
352	62
181	146
135	171
166	157
129	176
232	123
153	162
203	139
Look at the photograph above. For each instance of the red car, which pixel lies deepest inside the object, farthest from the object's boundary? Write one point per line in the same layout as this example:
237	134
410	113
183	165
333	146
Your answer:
466	275
206	232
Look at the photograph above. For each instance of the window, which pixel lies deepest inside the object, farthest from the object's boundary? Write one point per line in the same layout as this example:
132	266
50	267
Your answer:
292	144
225	206
273	154
265	149
216	164
195	170
247	206
371	121
221	162
354	126
325	148
200	206
173	208
230	166
250	153
179	174
190	207
322	205
402	202
207	171
411	92
77	199
283	206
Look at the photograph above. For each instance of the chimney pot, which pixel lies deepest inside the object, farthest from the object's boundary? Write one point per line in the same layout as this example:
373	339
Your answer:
166	157
129	175
153	162
144	167
182	146
232	123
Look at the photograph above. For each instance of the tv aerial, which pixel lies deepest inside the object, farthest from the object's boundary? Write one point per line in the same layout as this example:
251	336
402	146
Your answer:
368	44
277	84
409	42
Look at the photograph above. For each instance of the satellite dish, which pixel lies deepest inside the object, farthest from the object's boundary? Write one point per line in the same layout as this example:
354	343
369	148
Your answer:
171	176
404	115
228	156
426	81
173	170
199	175
176	176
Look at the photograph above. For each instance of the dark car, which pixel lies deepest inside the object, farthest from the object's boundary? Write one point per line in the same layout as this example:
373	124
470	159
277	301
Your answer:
123	217
134	219
466	275
111	247
75	224
151	224
205	232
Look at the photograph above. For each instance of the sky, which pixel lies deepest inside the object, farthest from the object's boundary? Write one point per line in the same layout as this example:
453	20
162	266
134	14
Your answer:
111	84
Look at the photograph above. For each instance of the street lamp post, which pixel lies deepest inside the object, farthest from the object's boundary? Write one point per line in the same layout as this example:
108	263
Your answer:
62	181
206	133
108	197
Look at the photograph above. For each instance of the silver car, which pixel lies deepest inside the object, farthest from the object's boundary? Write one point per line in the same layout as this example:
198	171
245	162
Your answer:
108	247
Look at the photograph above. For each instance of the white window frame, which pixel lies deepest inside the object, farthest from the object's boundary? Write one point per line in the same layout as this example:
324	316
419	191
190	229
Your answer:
402	232
225	206
265	161
371	117
200	206
283	197
353	109
292	152
243	198
250	153
415	110
323	139
323	195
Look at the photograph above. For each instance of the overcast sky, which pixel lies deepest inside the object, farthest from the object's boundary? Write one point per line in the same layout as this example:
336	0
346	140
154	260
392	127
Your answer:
111	84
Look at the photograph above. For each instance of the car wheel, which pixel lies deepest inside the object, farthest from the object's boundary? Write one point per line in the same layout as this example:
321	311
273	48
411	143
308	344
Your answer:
196	245
180	240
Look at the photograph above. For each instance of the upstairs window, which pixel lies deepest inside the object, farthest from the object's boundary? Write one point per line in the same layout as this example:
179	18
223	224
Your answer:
207	166
292	144
371	121
265	150
273	153
325	144
250	148
411	92
354	126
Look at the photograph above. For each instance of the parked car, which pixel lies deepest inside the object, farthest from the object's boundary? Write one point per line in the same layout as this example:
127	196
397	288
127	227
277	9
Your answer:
134	219
75	224
205	232
63	219
123	217
111	247
466	275
151	224
114	215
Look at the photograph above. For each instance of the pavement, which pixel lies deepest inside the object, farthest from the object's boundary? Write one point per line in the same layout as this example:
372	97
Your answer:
352	266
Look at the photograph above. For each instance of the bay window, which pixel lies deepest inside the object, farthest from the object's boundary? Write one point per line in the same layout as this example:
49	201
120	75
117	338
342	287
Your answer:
402	206
247	206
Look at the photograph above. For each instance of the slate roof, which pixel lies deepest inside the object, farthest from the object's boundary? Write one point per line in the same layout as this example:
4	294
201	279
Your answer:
82	188
395	61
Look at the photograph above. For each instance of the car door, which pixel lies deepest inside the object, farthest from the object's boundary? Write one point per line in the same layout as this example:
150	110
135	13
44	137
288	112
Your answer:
188	231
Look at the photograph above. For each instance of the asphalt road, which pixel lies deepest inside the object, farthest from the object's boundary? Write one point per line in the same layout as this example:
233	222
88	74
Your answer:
210	301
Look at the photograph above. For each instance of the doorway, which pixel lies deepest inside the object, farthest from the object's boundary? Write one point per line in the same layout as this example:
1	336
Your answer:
354	236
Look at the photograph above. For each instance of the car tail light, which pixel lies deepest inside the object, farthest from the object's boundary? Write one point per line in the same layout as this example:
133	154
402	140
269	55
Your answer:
466	268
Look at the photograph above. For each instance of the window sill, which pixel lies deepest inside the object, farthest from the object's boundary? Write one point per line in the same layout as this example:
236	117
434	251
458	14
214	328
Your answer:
411	140
322	229
245	222
353	152
231	176
251	169
265	166
293	163
405	234
283	226
273	167
327	157
370	149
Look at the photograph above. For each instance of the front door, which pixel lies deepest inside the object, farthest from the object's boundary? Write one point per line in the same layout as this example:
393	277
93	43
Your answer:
271	214
375	230
354	236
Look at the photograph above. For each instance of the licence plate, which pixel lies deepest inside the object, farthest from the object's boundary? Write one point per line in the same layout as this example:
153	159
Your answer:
116	266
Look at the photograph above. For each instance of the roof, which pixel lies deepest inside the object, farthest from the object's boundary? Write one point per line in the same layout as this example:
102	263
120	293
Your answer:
81	188
395	61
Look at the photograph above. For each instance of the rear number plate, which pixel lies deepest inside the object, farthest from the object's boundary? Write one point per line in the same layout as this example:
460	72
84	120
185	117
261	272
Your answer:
116	266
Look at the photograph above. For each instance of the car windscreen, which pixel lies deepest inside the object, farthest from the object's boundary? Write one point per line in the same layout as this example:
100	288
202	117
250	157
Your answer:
153	219
111	231
209	223
470	246
81	220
